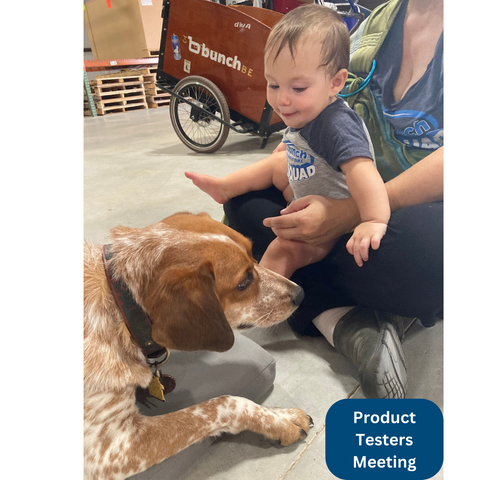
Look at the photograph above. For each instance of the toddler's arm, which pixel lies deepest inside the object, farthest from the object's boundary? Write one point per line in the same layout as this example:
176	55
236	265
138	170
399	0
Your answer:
368	190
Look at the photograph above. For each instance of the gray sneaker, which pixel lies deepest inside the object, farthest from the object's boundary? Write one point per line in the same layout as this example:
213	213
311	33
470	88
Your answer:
372	341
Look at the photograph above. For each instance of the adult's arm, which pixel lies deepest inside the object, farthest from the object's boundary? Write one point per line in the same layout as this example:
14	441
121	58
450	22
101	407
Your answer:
421	183
315	219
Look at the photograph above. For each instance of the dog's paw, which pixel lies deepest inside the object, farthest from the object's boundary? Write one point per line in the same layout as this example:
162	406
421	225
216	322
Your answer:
290	425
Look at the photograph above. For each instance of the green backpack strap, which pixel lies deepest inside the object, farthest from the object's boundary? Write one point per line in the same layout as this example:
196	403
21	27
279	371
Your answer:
376	29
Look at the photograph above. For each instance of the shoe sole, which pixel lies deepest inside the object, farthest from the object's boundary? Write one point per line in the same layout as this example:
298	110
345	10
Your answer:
385	374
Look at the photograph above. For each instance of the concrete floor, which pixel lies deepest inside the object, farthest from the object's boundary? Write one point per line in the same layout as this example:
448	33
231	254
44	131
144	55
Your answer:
134	176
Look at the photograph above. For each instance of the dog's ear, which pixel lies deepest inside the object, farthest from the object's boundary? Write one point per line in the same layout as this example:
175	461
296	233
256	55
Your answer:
186	312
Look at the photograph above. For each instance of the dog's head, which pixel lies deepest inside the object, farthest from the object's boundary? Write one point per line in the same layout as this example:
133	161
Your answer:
197	280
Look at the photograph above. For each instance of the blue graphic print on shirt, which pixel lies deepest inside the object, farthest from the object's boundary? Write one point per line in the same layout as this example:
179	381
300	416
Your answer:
300	163
415	128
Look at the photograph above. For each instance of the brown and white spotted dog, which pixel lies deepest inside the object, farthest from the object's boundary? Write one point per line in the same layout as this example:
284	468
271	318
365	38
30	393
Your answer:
196	279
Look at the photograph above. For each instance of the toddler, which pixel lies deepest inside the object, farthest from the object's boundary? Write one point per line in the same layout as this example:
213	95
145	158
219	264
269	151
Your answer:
326	148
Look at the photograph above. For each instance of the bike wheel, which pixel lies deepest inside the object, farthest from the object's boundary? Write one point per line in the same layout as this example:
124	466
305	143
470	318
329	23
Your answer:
195	128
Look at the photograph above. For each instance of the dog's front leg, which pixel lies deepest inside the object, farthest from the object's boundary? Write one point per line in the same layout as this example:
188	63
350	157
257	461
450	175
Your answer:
158	438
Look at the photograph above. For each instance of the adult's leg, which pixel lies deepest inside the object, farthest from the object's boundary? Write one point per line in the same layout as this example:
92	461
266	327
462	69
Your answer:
404	276
246	213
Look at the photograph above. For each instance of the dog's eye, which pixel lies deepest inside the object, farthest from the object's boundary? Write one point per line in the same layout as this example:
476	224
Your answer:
245	282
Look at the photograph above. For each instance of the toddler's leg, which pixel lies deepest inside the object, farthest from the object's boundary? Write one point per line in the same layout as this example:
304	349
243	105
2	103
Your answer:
257	176
217	188
285	257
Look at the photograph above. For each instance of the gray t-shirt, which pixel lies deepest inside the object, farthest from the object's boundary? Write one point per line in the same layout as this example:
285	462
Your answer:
316	151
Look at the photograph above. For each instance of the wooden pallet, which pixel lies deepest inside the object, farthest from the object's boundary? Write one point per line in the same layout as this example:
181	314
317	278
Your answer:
117	81
117	108
155	96
118	94
131	72
126	90
160	100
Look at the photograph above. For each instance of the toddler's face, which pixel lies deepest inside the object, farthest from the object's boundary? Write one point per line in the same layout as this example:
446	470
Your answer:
297	88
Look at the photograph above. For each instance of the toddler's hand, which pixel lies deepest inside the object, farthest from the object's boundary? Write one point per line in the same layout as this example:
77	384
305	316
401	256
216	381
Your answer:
366	235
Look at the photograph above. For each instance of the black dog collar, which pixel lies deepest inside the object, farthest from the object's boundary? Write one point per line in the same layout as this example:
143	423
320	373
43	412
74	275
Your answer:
137	321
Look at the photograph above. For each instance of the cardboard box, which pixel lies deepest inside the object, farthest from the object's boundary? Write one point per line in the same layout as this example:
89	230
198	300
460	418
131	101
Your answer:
123	28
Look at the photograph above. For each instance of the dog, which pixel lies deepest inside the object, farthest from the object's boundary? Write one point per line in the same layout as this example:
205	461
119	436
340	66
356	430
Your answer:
196	281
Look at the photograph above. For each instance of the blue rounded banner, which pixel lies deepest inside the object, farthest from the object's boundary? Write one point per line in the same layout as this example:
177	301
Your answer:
378	439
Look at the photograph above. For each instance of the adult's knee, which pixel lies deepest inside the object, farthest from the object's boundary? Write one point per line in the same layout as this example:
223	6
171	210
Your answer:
246	213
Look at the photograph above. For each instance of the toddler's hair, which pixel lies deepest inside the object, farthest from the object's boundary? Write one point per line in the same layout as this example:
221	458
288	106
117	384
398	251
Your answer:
318	24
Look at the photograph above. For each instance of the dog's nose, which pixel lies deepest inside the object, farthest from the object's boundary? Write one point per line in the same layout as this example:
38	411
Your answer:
298	296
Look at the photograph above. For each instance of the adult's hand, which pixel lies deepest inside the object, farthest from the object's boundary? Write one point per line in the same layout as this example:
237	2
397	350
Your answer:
314	219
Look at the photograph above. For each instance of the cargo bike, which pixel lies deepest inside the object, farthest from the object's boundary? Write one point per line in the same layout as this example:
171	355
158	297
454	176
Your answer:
211	63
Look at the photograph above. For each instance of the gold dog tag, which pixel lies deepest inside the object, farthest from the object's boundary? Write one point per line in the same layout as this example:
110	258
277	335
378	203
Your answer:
156	388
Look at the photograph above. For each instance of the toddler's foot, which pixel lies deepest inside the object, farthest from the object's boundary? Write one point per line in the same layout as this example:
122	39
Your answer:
211	185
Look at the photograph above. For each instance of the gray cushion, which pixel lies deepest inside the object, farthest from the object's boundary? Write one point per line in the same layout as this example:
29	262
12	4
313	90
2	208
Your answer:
246	370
